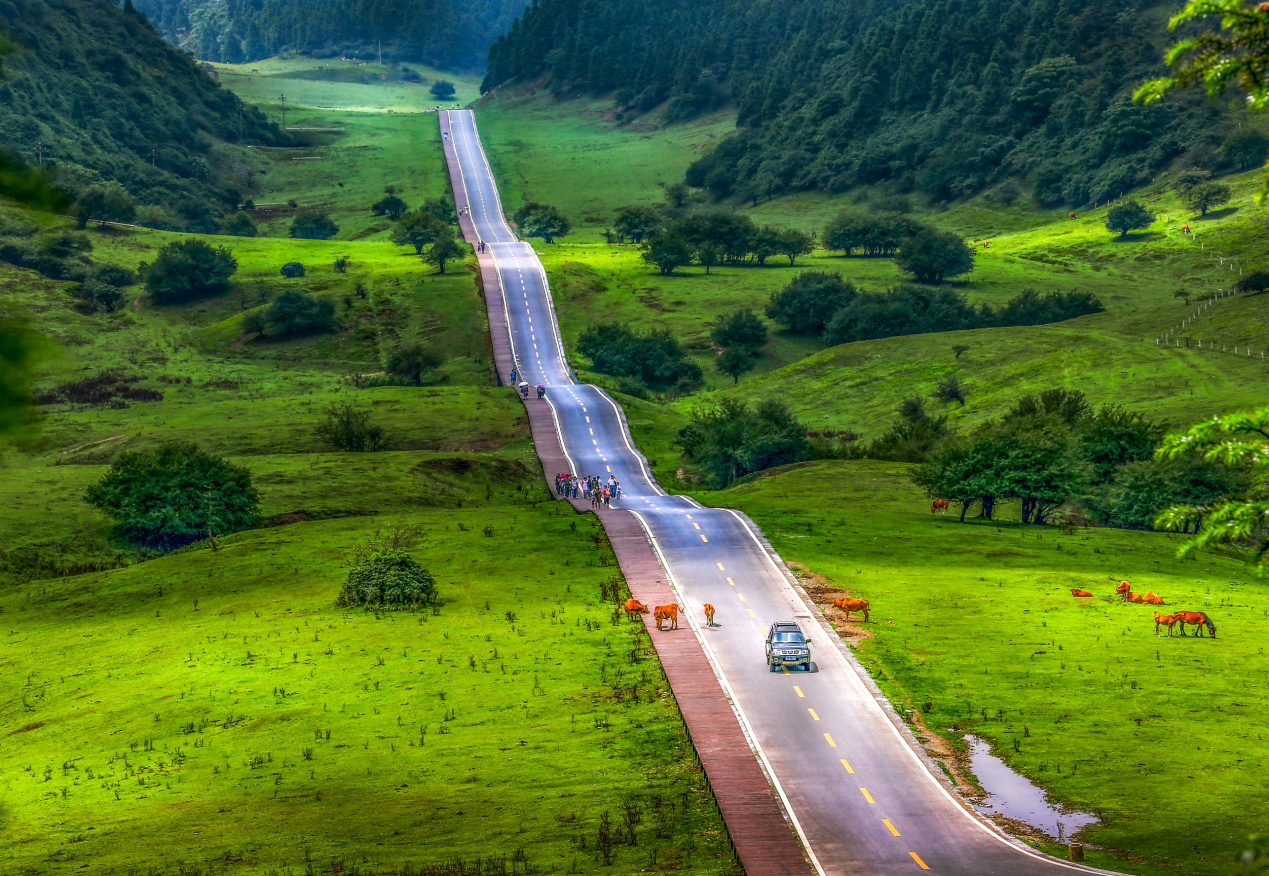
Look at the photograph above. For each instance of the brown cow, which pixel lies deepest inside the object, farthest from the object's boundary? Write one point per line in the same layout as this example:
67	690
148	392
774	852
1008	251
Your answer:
1166	620
1152	598
846	604
1072	216
1080	593
709	613
635	607
1122	589
1134	597
939	505
667	612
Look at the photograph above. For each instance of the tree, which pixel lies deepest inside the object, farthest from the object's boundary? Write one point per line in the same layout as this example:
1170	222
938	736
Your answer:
913	437
292	270
950	389
667	253
189	269
809	301
735	361
418	229
958	349
1128	216
313	225
411	362
348	427
1255	280
391	206
387	581
239	225
541	220
931	256
175	494
1245	148
443	89
106	202
20	352
731	439
1236	440
1189	178
676	195
443	249
1205	196
740	328
655	358
637	223
293	315
793	243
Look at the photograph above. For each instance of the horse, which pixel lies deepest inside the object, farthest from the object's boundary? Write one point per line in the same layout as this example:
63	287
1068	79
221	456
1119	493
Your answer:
1080	593
1166	620
1071	216
846	604
939	505
709	614
635	607
1195	619
667	613
1152	598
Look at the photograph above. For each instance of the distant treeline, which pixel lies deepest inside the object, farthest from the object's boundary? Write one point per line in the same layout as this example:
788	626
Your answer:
447	33
944	97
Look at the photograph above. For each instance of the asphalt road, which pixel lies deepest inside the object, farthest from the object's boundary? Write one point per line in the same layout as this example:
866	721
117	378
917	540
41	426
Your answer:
862	799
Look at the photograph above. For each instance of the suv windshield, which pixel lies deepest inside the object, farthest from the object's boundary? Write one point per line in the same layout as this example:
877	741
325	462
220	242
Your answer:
793	638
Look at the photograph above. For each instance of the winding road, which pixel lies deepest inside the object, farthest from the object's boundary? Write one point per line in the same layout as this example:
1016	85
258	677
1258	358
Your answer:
860	797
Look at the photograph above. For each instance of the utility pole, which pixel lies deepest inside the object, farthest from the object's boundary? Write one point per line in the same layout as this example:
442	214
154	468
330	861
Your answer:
380	53
153	152
39	155
283	111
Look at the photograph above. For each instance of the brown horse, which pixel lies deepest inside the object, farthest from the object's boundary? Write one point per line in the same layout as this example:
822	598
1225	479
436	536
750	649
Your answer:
1166	620
635	607
939	505
709	614
1080	593
667	613
1195	619
1152	598
846	604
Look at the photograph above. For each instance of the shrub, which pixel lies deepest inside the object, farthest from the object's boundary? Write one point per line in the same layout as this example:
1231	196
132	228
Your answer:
807	304
239	225
387	581
348	427
740	328
188	269
410	362
444	249
541	220
950	389
904	311
107	202
99	390
291	270
391	206
667	252
174	495
1143	488
443	89
313	225
292	315
931	256
655	358
873	234
1255	280
731	439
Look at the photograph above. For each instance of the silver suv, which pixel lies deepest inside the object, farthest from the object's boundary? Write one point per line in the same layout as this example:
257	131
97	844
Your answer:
787	645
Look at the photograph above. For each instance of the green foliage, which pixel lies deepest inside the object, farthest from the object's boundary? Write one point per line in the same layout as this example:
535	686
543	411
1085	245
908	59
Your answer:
106	202
1232	47
541	220
735	361
932	256
444	249
1206	196
292	315
189	269
809	301
636	223
668	253
411	362
740	328
873	234
20	353
443	89
175	494
913	436
418	229
1128	216
388	581
654	357
348	427
313	225
292	270
950	389
391	206
239	225
1255	280
1144	488
732	439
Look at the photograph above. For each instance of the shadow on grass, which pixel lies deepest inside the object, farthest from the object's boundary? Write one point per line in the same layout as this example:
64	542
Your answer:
1138	238
1217	214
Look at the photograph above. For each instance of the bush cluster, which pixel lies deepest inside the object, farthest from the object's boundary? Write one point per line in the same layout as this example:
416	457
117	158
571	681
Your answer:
387	581
653	357
292	315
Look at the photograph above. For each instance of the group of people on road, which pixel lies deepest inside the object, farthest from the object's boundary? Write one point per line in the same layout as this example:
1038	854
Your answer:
600	493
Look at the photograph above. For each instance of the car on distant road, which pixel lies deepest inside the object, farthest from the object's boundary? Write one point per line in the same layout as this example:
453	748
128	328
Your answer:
787	645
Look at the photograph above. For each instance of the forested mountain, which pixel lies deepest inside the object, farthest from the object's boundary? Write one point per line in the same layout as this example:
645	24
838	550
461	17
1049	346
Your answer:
92	92
945	97
454	34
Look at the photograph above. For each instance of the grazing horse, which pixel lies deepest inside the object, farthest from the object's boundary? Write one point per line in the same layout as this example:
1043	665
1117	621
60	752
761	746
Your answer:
1152	598
939	505
667	613
1166	620
1071	216
635	607
1195	619
709	613
846	604
1080	593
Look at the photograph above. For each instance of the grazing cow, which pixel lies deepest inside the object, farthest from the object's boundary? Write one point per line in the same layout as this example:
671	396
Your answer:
709	613
1185	229
1166	620
1195	619
939	505
667	613
846	604
1072	216
1083	594
1152	598
1134	597
1122	589
635	607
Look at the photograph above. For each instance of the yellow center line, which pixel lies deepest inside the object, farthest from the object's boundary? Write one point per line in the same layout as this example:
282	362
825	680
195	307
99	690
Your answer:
917	858
893	830
799	691
813	715
697	525
720	567
731	582
846	764
829	740
867	796
784	669
704	539
588	419
740	596
609	467
591	431
751	614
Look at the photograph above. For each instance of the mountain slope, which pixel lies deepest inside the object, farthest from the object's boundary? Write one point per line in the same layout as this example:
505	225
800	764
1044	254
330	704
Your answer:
946	97
447	33
94	92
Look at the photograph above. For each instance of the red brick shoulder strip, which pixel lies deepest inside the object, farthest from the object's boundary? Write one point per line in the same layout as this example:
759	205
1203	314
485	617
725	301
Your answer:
760	832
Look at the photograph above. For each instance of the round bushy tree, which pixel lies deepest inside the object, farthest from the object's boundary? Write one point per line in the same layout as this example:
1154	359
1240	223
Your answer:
387	581
312	225
1129	216
189	269
931	256
808	303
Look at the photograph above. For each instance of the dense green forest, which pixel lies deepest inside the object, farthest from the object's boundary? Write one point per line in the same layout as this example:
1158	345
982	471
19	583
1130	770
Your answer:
444	33
947	97
91	93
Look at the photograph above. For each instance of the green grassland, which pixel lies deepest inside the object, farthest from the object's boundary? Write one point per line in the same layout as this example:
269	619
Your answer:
213	711
973	627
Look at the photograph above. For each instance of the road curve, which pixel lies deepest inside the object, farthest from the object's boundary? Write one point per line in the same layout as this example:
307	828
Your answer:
858	794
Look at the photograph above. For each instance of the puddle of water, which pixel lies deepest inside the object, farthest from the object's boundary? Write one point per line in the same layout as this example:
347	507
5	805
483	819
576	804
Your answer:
1014	796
